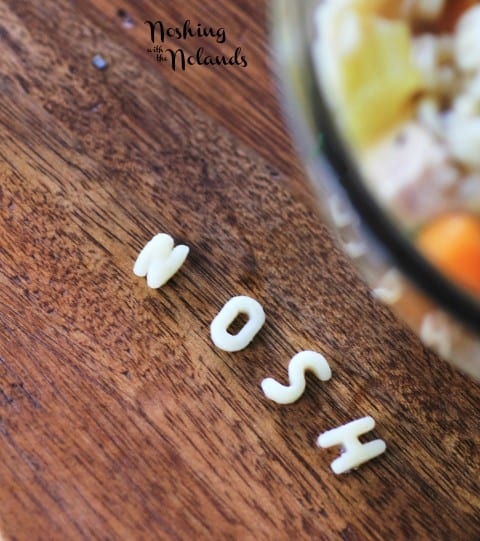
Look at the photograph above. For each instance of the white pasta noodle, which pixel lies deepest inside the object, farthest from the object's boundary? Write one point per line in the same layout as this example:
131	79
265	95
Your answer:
467	40
389	289
355	248
354	453
425	57
465	105
159	260
435	333
340	214
464	139
235	306
428	113
299	364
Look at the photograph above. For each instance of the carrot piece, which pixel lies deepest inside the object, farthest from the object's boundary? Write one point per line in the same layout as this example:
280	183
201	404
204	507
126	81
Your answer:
452	243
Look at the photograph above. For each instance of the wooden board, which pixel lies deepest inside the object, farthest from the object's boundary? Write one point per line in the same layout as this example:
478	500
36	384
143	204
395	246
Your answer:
119	419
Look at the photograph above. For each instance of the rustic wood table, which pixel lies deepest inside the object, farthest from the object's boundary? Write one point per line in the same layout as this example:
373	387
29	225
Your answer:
119	418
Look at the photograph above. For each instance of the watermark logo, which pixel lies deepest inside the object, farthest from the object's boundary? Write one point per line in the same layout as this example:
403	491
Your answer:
161	37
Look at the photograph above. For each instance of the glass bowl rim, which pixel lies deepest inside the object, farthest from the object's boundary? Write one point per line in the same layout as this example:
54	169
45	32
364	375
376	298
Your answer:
411	263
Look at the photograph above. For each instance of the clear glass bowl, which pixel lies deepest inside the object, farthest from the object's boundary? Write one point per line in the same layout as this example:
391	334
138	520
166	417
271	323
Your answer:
445	317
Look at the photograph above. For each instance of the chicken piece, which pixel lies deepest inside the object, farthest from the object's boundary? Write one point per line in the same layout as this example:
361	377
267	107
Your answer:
410	173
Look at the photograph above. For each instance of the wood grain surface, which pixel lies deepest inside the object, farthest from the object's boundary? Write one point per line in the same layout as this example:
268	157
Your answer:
119	419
